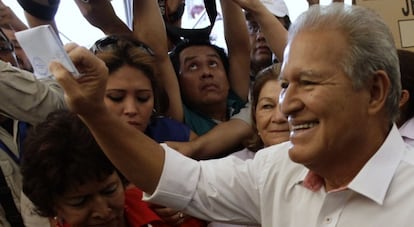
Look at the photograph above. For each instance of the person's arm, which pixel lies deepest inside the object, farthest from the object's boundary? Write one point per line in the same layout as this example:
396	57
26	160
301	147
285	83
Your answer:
9	20
149	27
25	98
143	161
85	96
238	46
212	144
273	30
40	12
101	14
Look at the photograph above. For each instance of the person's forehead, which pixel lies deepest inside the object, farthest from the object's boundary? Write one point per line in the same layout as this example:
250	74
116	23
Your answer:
198	51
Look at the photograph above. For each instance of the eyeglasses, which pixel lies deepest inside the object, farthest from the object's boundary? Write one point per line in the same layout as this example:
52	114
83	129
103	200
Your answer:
116	41
5	44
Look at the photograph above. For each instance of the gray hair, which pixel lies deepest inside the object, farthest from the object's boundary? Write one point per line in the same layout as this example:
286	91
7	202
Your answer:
371	45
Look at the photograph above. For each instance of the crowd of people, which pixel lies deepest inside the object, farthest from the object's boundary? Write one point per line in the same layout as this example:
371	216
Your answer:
303	123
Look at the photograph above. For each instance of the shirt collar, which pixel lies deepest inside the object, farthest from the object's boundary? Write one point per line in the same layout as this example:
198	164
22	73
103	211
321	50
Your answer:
407	129
375	177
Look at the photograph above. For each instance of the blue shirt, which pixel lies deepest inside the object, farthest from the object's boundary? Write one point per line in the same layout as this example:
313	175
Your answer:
163	129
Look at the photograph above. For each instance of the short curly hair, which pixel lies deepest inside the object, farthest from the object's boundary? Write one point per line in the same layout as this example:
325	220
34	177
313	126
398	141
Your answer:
59	155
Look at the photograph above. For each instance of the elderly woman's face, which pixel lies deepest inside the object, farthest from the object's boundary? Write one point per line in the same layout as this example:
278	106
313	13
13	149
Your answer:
96	203
271	124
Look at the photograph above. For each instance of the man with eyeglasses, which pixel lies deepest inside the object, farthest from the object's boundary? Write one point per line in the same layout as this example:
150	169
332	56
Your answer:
7	50
12	134
21	57
260	54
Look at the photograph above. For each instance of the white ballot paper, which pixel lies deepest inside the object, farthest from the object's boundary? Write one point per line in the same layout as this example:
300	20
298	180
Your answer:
42	45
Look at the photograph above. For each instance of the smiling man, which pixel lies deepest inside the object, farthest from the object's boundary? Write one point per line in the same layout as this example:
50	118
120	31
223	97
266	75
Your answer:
346	164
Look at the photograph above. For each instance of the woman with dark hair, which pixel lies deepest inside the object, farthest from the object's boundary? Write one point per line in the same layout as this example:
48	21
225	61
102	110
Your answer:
268	123
66	175
134	95
133	91
69	178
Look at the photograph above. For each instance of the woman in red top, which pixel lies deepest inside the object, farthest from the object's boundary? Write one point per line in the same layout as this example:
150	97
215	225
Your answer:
67	176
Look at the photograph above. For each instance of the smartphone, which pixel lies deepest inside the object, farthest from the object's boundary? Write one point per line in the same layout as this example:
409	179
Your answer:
42	45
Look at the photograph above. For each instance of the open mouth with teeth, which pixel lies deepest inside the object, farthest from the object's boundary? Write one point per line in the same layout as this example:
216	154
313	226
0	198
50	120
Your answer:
303	126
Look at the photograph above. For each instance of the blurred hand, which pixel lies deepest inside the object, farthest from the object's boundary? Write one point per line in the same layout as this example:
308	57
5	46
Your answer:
313	2
168	215
86	94
250	5
9	20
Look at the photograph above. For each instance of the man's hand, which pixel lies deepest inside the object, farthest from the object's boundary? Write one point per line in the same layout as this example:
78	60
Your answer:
9	20
252	6
168	215
84	95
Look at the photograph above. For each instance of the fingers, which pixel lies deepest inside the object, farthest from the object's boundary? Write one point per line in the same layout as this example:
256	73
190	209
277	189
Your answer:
85	61
64	77
169	215
176	219
165	211
70	46
85	94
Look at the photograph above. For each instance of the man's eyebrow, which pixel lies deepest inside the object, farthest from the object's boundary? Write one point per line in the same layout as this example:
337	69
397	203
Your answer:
189	58
213	55
302	73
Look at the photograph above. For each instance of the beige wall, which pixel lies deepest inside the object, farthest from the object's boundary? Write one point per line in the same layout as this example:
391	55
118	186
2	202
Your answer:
399	15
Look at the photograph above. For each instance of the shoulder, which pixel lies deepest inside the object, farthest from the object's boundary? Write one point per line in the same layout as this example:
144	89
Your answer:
235	103
167	129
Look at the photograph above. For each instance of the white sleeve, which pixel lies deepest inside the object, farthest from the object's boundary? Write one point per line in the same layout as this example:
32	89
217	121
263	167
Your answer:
220	189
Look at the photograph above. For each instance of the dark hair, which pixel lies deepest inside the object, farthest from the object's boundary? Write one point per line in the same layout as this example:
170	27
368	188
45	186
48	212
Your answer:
175	53
59	155
406	59
119	50
265	75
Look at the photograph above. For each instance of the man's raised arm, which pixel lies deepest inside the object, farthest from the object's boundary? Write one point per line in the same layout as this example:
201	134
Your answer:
85	96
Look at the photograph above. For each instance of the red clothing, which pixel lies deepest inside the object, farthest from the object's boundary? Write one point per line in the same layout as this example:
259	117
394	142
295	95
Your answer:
139	214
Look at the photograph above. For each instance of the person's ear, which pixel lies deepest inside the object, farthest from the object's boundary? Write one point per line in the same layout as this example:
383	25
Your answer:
379	90
405	96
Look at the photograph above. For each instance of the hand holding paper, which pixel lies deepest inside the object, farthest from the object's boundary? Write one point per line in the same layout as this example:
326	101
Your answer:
42	45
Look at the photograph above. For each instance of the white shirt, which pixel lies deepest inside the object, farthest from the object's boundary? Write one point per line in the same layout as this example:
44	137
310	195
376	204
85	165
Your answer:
268	190
407	131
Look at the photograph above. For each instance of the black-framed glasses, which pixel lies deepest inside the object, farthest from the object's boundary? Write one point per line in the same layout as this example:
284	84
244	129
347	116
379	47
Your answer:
5	44
118	41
